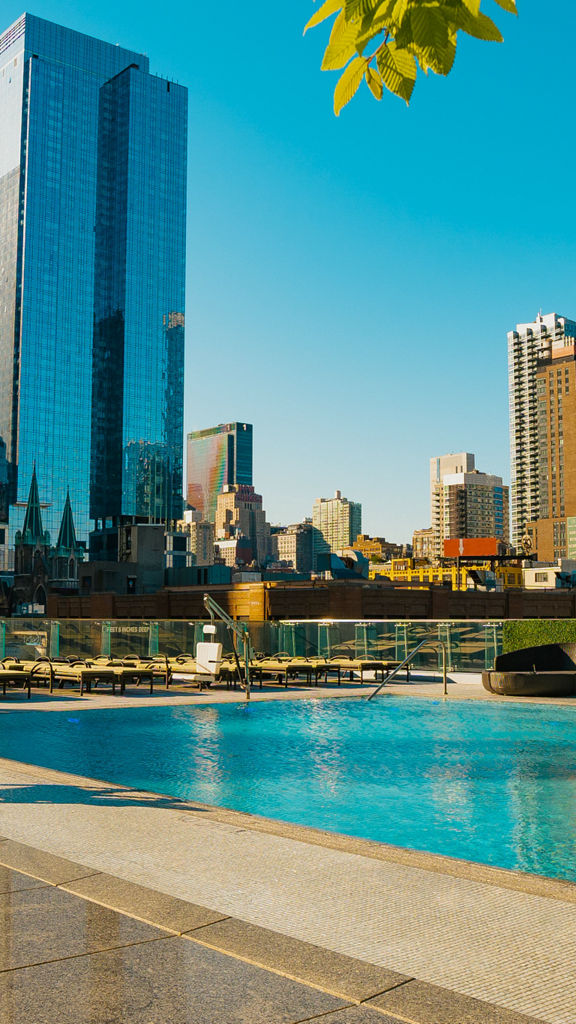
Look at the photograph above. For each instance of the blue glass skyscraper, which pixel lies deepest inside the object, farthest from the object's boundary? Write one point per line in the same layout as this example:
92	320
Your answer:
92	258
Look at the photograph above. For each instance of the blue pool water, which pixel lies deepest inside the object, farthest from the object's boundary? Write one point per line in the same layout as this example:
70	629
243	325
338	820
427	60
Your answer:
493	783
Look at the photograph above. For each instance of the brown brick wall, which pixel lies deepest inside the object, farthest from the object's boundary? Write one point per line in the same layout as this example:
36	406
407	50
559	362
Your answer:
258	602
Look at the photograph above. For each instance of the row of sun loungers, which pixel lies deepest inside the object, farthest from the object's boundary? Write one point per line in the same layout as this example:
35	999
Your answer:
82	675
114	675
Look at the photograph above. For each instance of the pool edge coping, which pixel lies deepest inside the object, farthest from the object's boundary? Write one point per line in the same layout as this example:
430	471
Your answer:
558	889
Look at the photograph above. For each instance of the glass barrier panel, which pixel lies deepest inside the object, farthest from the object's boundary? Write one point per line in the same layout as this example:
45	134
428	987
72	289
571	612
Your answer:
471	646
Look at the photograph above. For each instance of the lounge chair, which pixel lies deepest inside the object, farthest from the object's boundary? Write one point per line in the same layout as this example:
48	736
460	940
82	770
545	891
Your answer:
84	675
15	676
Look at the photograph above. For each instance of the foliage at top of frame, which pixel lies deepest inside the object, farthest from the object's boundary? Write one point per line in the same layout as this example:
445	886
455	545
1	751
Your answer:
384	42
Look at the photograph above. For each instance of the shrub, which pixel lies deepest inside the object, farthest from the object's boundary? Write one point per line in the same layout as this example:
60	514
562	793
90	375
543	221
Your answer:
519	633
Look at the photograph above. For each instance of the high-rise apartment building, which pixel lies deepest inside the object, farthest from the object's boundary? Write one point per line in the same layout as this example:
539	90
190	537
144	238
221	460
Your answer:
538	354
551	527
475	505
216	458
92	250
441	466
336	524
466	503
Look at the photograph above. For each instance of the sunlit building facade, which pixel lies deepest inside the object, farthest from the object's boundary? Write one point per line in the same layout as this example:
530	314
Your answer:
441	466
92	236
336	523
540	381
465	503
239	514
551	531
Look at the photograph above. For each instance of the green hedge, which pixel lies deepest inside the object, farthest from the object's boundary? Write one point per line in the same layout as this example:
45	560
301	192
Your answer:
533	632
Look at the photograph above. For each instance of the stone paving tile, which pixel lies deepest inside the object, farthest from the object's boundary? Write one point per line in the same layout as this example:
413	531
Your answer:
171	981
428	1004
421	923
145	904
46	924
15	881
351	979
358	1015
40	864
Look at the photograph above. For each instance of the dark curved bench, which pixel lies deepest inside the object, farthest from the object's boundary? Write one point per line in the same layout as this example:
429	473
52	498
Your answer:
548	670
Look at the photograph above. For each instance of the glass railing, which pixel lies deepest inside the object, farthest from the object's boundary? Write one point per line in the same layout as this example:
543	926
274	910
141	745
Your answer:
471	646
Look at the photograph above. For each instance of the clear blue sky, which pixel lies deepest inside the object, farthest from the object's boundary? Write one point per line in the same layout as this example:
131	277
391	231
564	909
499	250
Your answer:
351	281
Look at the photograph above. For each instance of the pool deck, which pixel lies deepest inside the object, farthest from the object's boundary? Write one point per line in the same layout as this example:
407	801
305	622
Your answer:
461	686
119	905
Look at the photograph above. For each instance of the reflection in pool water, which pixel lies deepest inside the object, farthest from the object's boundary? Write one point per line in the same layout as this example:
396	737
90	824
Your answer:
494	783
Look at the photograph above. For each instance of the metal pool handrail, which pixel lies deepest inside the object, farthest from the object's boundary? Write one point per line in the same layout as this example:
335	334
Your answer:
406	662
239	630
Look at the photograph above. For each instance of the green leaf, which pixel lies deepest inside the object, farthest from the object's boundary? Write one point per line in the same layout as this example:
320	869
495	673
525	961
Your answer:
508	5
399	11
402	35
398	70
348	83
354	9
328	7
374	27
440	61
473	6
481	27
341	46
374	83
429	27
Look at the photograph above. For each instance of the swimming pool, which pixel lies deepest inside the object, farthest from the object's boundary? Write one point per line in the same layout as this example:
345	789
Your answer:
494	783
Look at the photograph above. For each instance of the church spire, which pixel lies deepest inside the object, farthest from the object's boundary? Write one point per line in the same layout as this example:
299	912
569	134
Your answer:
32	530
67	535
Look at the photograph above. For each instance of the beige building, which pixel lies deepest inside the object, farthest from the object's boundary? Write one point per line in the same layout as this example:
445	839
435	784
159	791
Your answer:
201	534
441	466
378	548
423	544
541	385
229	552
336	523
547	577
293	545
239	512
202	542
475	505
552	532
465	503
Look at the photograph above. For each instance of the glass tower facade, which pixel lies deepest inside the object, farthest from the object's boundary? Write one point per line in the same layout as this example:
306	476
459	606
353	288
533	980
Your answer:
92	246
215	457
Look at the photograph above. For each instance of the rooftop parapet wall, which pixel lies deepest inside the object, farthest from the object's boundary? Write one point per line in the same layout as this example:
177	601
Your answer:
257	602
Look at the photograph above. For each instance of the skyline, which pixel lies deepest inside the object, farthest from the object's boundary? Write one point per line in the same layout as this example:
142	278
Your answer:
441	250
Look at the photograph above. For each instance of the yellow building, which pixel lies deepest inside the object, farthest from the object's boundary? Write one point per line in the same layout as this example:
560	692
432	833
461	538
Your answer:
377	547
404	570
